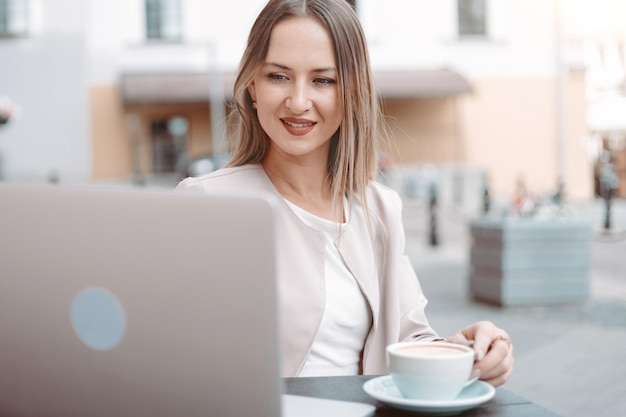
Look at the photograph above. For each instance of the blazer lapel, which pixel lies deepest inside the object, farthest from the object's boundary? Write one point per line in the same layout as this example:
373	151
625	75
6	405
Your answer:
358	254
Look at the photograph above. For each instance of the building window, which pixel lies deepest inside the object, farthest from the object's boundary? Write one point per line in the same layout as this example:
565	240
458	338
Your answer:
164	155
472	17
13	17
163	20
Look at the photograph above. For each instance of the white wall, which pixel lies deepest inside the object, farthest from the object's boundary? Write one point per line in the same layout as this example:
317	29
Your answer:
423	34
215	33
45	74
401	33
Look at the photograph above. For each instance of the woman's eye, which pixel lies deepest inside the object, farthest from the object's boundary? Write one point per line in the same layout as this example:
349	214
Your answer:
277	77
324	81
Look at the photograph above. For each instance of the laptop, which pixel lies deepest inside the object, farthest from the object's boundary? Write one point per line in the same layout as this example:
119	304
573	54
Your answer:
126	302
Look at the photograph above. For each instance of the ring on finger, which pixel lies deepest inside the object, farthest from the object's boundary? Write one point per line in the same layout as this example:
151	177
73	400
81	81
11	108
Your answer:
503	338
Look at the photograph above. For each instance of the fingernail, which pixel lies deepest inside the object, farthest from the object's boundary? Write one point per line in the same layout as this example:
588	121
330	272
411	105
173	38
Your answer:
480	354
475	373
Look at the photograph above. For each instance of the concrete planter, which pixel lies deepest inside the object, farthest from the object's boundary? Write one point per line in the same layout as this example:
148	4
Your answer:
526	261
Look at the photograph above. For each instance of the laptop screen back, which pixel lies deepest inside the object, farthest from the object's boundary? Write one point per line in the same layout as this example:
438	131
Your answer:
125	302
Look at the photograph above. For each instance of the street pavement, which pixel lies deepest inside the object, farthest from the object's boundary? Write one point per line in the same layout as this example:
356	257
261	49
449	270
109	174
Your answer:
569	358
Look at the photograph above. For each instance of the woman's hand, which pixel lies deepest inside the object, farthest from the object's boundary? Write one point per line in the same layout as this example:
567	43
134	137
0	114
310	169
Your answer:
494	351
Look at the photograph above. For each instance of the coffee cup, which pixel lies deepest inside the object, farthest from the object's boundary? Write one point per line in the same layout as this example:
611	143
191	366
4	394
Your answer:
430	370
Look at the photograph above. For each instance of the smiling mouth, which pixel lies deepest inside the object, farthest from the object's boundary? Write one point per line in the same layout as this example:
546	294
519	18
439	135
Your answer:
297	125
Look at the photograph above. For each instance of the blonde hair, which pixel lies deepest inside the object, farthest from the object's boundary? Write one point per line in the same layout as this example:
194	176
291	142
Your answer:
352	156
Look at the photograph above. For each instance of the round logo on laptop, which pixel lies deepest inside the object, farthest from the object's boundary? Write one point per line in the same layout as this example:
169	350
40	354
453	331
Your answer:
98	318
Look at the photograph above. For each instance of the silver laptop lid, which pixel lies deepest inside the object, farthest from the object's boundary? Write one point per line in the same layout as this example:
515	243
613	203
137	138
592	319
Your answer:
129	303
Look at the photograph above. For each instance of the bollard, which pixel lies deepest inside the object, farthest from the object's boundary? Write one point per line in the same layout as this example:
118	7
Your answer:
433	235
608	197
486	199
608	183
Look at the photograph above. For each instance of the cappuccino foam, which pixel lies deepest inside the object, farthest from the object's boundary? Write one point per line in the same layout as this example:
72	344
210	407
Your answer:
430	350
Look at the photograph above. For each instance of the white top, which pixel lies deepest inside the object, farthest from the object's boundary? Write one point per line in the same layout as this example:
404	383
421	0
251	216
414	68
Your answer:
377	260
347	318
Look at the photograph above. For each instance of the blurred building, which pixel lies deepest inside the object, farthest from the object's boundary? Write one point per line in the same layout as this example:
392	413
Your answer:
123	90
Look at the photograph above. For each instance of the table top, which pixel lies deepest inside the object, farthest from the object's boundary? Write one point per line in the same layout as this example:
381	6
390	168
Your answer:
350	388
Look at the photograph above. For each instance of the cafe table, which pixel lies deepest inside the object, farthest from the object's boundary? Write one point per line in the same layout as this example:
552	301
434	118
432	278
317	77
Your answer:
350	388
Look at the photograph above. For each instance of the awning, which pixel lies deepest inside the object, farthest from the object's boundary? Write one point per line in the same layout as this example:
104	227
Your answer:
174	87
420	83
196	87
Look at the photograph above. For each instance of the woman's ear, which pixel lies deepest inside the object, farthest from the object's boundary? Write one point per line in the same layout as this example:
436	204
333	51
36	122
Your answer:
252	91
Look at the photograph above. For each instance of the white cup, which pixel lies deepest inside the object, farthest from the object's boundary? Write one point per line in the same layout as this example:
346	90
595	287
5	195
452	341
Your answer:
430	370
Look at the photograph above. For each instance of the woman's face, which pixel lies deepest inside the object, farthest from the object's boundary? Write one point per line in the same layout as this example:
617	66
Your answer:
296	89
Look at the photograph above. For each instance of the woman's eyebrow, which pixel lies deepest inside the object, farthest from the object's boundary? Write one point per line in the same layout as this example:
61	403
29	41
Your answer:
277	65
286	67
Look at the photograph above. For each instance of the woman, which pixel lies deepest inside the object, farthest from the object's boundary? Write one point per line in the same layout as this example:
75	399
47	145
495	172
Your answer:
305	129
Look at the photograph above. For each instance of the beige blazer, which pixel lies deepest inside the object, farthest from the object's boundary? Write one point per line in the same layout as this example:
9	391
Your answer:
380	266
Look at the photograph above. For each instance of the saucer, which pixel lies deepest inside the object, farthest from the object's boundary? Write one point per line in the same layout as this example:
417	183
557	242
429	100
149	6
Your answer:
384	390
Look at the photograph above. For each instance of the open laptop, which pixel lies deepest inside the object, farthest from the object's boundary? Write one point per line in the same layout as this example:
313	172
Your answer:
140	303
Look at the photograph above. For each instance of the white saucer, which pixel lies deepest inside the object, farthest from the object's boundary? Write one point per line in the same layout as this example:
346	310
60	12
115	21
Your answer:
384	390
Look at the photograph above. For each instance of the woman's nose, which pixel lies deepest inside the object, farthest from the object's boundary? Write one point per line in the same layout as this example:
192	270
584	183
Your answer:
299	100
